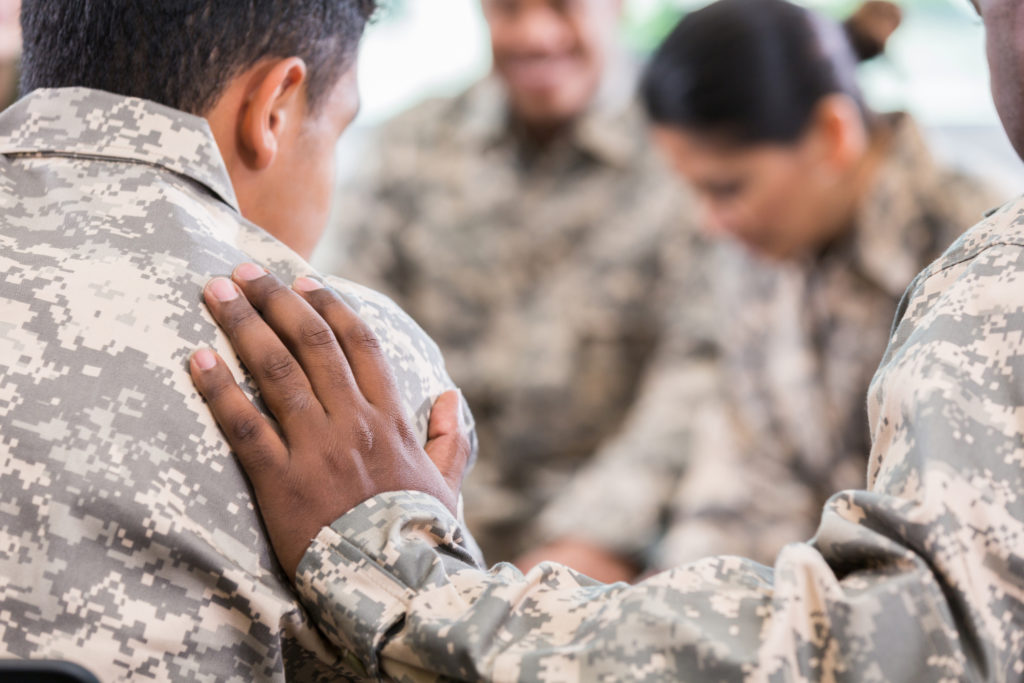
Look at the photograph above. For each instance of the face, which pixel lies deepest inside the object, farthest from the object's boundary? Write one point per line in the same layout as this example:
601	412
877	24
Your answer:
1004	29
769	197
550	54
295	198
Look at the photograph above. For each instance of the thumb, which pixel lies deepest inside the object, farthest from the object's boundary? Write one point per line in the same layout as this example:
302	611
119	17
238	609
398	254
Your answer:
447	444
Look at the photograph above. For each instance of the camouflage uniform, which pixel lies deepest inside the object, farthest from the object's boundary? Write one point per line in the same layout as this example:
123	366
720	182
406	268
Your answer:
736	443
538	272
918	578
129	541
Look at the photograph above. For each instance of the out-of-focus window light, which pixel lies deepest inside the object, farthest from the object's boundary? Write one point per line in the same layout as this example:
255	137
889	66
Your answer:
934	67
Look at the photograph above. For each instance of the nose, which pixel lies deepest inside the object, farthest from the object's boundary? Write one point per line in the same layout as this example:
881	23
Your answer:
542	29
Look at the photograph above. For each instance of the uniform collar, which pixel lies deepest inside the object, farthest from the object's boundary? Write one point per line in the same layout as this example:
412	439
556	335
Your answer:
600	132
96	124
882	239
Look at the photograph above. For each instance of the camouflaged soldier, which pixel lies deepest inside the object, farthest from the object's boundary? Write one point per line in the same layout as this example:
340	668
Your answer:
128	537
830	210
917	578
526	224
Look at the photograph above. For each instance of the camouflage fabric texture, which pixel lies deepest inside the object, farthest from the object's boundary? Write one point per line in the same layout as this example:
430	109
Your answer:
541	272
129	542
748	421
919	577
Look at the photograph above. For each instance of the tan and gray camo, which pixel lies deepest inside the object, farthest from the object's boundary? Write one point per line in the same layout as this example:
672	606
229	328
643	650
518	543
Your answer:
918	578
128	537
749	420
541	273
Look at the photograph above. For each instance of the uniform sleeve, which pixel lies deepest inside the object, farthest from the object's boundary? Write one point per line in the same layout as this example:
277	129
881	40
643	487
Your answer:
918	578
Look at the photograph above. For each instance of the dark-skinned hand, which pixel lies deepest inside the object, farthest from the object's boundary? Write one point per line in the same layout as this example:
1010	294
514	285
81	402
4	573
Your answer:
322	374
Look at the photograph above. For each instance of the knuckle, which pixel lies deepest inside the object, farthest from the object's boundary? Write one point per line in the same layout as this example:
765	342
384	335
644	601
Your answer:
315	335
363	337
296	402
239	316
362	437
246	429
277	366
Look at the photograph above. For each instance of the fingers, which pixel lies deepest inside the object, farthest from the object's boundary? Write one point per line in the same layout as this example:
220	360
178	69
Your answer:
306	334
254	441
447	445
444	415
370	368
281	381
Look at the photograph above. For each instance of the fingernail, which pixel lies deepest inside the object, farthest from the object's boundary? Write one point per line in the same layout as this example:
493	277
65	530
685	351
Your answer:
204	359
223	289
305	284
249	271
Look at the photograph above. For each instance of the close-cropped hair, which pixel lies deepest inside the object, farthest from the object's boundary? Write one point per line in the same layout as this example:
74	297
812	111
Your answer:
183	53
750	71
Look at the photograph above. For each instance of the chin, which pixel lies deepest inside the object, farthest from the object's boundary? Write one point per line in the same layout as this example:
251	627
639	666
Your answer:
548	113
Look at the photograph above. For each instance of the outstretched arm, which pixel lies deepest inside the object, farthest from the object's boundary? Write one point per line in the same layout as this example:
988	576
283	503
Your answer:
917	579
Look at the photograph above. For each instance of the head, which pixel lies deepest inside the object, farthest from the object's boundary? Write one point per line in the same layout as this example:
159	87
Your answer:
551	54
274	78
1004	30
757	106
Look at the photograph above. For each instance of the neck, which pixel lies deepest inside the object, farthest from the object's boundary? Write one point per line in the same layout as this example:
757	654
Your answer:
860	180
539	134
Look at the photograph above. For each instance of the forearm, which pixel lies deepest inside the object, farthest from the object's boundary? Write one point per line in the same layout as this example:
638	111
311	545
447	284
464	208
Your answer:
389	582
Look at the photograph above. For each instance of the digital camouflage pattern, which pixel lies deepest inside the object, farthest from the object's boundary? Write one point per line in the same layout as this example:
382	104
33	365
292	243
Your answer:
749	421
541	273
128	538
918	578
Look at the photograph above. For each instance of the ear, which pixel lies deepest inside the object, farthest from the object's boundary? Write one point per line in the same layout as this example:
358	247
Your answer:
840	134
274	103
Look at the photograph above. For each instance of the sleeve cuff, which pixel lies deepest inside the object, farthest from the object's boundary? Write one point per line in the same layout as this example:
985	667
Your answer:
359	574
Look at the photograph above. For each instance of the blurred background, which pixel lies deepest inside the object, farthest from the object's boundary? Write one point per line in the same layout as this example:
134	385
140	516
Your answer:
934	67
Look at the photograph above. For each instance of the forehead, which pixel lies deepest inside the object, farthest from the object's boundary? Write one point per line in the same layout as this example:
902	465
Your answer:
558	5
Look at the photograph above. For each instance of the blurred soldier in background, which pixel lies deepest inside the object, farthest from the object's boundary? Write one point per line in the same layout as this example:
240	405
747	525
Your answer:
530	228
915	578
828	210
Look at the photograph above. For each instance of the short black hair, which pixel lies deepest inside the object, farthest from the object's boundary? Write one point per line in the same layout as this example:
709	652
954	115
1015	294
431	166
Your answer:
749	71
183	53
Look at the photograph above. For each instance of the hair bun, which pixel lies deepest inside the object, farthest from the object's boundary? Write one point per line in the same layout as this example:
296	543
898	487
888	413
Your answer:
869	28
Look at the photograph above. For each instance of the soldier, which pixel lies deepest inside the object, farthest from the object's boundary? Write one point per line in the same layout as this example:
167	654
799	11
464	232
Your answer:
530	227
827	211
916	578
129	541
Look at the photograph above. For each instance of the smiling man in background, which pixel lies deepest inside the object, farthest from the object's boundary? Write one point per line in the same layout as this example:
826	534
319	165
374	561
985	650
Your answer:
528	225
917	577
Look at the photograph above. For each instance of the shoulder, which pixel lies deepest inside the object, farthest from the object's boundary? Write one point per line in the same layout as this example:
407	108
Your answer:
982	270
415	358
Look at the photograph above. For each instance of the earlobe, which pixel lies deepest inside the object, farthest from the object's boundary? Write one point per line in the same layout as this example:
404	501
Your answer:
274	103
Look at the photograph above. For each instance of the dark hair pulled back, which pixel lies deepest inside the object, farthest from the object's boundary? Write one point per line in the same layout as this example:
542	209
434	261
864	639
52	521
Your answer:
753	71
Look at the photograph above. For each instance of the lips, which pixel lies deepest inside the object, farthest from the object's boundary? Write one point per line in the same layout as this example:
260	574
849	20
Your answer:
540	73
